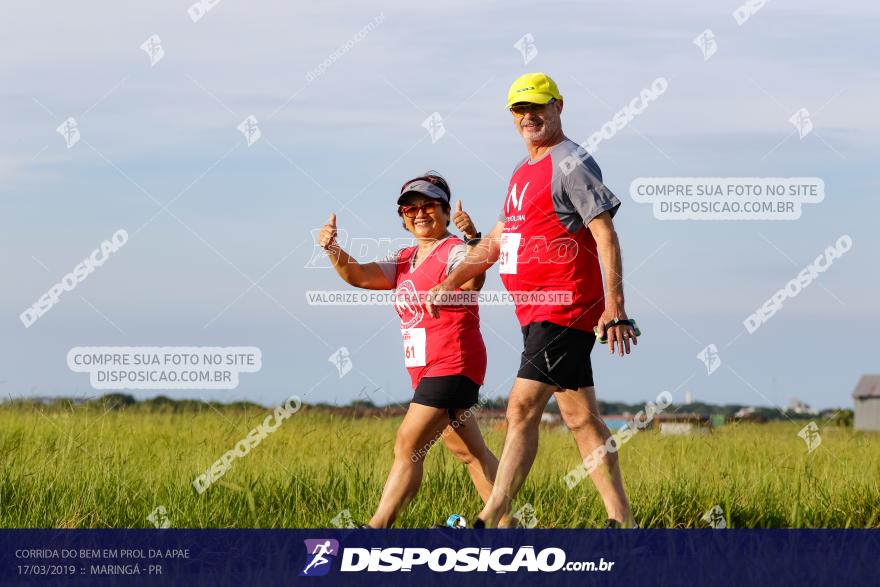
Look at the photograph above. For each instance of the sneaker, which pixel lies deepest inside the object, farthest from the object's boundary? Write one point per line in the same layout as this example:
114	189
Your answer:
456	521
612	523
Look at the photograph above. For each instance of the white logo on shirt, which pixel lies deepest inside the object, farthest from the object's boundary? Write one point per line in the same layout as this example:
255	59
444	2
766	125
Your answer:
407	304
516	201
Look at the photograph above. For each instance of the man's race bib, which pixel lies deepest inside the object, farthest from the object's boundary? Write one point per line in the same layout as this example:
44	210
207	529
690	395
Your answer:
509	249
413	346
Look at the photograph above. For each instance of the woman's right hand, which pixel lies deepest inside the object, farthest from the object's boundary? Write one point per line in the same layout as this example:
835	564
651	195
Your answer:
367	276
327	237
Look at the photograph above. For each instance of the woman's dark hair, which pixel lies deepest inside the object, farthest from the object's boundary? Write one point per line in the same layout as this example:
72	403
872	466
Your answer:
435	178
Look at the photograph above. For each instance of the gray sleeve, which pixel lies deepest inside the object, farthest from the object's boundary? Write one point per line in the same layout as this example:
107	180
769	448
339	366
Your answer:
457	254
584	194
388	265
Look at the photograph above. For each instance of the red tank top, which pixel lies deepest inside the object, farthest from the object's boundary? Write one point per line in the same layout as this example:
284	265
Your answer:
433	347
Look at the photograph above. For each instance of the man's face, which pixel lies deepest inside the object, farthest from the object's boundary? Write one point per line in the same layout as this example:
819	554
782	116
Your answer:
537	123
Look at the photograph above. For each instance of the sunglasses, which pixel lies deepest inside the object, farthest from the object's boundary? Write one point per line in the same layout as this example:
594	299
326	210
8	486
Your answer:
413	211
520	110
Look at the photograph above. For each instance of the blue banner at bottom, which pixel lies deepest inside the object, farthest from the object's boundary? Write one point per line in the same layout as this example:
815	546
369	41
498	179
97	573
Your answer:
467	557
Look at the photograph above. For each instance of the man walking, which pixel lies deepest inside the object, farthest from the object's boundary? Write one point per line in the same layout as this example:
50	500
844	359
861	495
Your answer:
554	229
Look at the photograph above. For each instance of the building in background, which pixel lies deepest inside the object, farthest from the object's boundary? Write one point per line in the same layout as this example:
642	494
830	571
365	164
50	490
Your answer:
748	414
683	424
799	407
867	403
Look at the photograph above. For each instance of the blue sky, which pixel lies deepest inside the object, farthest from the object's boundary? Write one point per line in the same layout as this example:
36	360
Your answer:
242	214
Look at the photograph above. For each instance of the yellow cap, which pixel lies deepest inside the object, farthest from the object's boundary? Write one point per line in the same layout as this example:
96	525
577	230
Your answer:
537	88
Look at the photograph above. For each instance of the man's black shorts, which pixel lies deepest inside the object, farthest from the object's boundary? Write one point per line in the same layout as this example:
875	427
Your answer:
451	392
557	355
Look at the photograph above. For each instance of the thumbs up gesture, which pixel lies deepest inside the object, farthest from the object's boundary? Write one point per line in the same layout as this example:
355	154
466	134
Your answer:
463	222
327	237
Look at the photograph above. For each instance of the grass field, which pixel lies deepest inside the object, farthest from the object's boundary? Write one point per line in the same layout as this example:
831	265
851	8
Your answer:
85	468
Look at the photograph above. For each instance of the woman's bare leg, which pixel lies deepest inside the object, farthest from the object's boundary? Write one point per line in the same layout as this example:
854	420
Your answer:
464	440
421	427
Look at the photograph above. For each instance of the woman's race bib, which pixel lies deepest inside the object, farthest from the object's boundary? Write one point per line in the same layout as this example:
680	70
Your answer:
413	346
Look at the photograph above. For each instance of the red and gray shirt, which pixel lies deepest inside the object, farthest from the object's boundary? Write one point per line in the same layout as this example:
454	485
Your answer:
434	347
546	245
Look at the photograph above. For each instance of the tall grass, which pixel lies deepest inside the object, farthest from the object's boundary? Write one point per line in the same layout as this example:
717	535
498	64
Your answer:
86	468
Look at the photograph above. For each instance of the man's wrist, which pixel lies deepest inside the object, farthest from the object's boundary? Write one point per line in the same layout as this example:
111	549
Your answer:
448	284
614	301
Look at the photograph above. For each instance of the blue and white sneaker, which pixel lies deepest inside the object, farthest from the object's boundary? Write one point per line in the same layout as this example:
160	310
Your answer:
456	521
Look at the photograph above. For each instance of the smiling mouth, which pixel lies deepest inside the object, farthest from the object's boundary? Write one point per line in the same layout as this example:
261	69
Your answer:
422	222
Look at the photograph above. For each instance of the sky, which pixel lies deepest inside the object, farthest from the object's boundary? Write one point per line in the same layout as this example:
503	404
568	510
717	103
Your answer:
220	231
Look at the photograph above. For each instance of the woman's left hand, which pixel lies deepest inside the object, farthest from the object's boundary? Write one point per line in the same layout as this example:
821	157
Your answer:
463	222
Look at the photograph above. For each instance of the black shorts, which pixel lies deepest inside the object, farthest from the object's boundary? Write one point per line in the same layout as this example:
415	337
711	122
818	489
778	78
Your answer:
450	392
557	355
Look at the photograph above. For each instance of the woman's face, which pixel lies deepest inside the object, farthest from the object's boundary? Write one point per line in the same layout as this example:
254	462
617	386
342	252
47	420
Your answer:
428	223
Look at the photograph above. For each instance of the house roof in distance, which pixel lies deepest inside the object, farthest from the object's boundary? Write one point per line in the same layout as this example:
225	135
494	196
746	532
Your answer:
868	386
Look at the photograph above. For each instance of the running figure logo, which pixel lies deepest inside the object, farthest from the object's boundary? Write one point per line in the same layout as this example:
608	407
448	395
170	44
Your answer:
318	553
715	518
69	129
810	434
342	359
802	122
527	47
434	125
153	48
707	44
250	128
710	358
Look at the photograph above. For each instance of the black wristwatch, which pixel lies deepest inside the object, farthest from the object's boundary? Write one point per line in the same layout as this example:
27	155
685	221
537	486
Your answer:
475	240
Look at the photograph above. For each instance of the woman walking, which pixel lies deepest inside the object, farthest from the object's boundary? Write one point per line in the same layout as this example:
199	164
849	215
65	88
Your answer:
445	356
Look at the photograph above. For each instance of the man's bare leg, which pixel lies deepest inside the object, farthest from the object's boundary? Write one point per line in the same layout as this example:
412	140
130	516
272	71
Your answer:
580	412
524	408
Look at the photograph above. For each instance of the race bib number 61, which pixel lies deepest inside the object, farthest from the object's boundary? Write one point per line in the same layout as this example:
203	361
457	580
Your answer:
413	347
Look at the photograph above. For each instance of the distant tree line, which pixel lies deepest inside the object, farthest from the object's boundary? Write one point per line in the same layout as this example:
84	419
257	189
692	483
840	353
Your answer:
164	404
123	401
